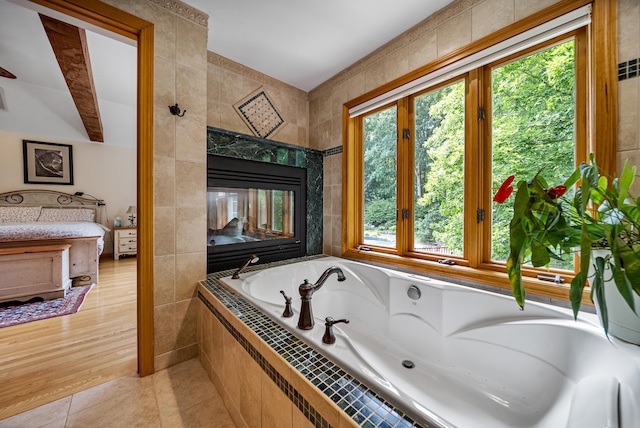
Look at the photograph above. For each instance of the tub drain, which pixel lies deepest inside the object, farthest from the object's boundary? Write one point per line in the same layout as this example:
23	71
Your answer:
408	364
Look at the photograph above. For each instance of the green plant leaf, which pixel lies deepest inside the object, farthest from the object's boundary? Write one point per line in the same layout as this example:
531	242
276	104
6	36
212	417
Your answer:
519	240
575	292
623	285
589	173
573	179
630	256
597	291
632	212
625	181
518	243
585	249
589	181
539	254
598	192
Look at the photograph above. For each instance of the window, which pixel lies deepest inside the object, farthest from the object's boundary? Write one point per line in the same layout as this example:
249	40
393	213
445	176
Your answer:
438	163
533	110
379	177
423	167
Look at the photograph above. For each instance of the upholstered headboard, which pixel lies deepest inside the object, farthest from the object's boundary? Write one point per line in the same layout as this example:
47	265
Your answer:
53	199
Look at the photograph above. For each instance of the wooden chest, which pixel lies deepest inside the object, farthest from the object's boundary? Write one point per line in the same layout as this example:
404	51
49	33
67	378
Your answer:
34	271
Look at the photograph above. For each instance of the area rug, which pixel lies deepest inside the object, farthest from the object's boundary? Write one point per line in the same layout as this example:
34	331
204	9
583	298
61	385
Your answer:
12	313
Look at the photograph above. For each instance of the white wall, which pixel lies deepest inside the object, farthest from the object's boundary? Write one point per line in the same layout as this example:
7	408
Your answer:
39	110
105	171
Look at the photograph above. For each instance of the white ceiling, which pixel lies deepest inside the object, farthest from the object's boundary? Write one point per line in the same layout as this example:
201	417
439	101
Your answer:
26	52
39	102
302	42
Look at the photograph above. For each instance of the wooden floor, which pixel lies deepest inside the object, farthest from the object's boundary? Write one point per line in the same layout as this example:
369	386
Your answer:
45	360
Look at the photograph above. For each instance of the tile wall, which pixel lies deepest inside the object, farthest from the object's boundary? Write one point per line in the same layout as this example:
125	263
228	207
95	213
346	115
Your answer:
183	67
229	82
629	85
179	171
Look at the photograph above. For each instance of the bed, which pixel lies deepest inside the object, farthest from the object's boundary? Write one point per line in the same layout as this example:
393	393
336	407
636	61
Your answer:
31	218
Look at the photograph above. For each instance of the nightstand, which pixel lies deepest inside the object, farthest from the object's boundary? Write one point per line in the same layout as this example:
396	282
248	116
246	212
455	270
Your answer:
125	241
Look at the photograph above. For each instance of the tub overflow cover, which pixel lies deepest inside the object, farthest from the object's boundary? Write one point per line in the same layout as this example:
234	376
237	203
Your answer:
414	292
408	364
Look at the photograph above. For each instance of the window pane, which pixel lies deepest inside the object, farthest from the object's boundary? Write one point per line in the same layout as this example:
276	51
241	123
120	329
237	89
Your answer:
290	197
262	209
533	123
439	171
380	139
277	196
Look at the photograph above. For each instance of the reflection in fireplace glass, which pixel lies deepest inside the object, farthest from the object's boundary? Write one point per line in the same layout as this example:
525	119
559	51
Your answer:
248	215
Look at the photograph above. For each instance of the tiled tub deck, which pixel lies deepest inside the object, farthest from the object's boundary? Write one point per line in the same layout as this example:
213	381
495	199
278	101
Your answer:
268	377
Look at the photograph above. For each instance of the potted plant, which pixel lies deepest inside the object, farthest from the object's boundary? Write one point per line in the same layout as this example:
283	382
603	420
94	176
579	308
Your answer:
601	214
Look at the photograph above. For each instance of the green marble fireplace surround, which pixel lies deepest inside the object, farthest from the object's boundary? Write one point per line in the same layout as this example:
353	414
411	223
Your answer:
241	146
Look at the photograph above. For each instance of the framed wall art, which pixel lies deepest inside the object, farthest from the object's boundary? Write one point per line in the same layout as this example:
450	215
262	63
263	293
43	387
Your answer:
47	163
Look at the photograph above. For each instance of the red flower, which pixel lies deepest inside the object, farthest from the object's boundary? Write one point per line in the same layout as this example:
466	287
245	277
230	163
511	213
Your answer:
556	192
504	191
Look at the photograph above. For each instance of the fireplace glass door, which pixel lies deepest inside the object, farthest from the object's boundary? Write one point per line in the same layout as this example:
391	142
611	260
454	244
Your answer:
249	215
254	208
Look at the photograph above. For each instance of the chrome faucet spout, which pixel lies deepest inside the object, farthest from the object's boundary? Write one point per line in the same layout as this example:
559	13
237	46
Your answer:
306	290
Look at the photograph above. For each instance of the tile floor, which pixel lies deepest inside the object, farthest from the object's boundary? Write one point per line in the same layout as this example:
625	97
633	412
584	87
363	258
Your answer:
180	396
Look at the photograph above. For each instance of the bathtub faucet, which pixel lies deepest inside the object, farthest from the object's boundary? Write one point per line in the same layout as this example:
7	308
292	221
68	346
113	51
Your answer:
305	322
252	259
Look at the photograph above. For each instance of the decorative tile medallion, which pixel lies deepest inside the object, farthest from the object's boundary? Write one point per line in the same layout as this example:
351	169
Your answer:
259	113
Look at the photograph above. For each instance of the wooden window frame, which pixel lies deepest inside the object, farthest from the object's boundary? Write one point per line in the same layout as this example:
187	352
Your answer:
597	126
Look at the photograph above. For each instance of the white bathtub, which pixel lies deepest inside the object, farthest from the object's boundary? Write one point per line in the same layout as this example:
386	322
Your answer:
479	360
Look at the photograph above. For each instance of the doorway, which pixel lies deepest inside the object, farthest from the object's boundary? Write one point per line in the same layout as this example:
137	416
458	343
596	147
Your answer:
132	27
99	15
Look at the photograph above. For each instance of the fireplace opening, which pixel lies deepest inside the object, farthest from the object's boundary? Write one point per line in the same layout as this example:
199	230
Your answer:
253	208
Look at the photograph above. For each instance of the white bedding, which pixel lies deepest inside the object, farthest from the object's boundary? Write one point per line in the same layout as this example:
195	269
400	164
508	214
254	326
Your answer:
49	230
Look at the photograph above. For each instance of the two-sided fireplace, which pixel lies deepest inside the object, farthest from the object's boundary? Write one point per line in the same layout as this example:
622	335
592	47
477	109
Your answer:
254	208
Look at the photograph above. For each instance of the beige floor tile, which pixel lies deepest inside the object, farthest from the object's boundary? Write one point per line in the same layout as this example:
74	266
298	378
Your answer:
60	423
210	415
118	392
129	416
124	402
180	396
183	386
50	415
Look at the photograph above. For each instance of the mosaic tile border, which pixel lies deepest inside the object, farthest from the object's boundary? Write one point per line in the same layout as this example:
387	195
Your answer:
332	151
357	400
294	396
629	69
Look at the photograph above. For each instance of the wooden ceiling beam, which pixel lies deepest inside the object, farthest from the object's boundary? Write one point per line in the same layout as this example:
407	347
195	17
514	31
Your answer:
69	44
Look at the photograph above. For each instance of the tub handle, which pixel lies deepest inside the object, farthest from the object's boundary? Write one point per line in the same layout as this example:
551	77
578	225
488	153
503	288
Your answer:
288	312
329	337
